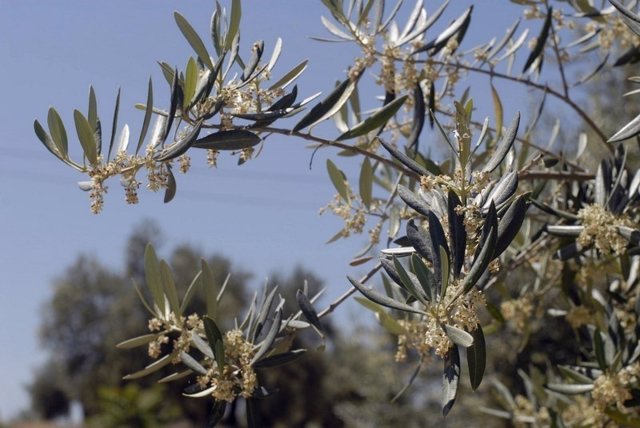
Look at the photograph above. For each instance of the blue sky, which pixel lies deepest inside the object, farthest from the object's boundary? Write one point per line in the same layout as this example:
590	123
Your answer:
263	215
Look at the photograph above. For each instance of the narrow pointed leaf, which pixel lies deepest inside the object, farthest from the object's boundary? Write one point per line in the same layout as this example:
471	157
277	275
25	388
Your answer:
137	341
234	23
459	24
114	125
199	394
497	110
444	270
176	376
188	295
270	338
339	181
86	137
376	120
419	112
540	41
279	359
383	300
366	182
510	224
217	413
214	337
151	368
58	132
193	39
570	389
457	233
123	139
477	358
390	269
387	321
169	286
417	203
458	336
153	277
290	76
631	129
147	116
192	363
425	277
438	240
46	139
172	186
181	146
235	139
253	413
208	283
450	379
421	241
202	345
191	76
484	257
92	113
329	106
308	310
410	282
404	159
504	146
598	346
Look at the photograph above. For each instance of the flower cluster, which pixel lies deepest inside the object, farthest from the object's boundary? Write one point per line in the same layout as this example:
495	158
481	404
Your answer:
526	411
427	334
184	326
601	230
237	378
354	219
609	390
518	310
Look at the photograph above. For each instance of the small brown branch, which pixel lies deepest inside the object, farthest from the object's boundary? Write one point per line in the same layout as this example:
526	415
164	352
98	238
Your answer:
349	292
332	143
556	50
555	175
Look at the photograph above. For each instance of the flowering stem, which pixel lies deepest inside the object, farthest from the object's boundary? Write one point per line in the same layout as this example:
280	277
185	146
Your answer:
349	292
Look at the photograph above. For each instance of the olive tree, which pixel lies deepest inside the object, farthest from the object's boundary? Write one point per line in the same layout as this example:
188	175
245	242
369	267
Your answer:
448	234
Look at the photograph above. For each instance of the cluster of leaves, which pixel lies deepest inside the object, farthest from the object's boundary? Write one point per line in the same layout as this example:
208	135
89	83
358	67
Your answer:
225	362
462	214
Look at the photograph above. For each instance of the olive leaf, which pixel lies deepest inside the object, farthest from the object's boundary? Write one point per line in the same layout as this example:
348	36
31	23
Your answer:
147	116
339	181
376	120
404	159
450	379
214	337
477	358
329	106
193	39
540	41
504	146
233	139
383	300
86	137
